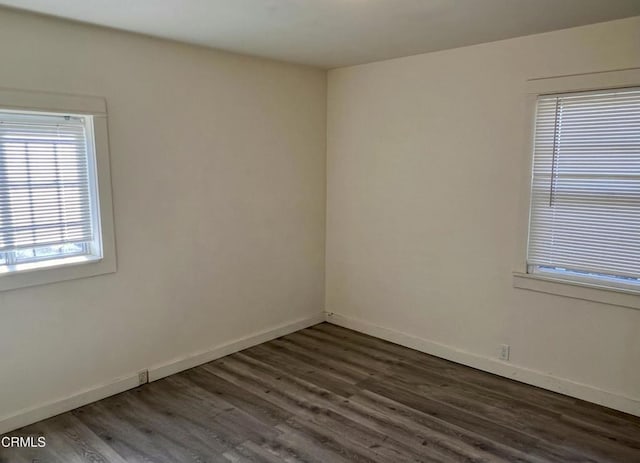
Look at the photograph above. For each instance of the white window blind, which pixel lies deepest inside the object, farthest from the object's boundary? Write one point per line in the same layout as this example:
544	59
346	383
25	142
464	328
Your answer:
585	198
46	187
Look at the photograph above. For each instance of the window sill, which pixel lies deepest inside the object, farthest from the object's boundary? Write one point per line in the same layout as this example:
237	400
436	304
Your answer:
578	289
45	264
52	271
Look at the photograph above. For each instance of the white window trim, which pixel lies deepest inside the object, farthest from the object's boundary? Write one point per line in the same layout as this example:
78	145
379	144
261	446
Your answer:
576	288
39	273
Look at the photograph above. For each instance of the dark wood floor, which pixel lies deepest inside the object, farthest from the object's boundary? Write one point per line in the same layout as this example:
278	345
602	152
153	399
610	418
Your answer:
327	394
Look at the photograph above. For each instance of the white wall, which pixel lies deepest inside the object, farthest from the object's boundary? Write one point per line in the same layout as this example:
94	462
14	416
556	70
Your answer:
424	163
218	172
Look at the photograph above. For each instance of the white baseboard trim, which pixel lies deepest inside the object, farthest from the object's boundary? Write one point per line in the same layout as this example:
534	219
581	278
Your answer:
184	363
55	407
506	369
28	416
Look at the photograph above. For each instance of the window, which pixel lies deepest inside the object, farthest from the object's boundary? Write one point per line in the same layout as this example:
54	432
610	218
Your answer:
56	219
48	199
585	191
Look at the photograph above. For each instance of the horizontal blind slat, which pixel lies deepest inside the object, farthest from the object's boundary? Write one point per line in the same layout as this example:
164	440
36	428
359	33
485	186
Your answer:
44	181
585	196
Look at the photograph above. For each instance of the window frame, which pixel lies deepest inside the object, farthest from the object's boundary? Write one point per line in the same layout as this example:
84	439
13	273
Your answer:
564	285
71	267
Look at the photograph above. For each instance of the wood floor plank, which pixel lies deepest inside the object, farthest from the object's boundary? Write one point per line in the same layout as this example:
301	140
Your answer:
366	362
295	366
308	449
358	445
550	429
420	436
484	426
328	394
431	431
179	413
314	404
332	364
132	437
250	452
516	412
568	406
371	351
19	455
263	410
336	412
71	434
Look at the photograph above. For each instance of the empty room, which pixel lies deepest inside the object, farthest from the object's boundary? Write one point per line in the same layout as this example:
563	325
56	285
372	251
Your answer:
317	231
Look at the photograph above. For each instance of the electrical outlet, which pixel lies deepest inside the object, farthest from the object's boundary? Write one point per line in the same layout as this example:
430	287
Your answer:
505	350
143	377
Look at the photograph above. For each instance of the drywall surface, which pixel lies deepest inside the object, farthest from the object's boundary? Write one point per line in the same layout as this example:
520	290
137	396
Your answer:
218	173
425	160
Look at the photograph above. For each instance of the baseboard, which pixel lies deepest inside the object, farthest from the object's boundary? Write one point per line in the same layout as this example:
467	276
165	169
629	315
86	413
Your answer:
184	363
506	369
55	407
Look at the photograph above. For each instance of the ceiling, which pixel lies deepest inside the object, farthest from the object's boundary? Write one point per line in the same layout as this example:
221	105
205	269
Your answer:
333	33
